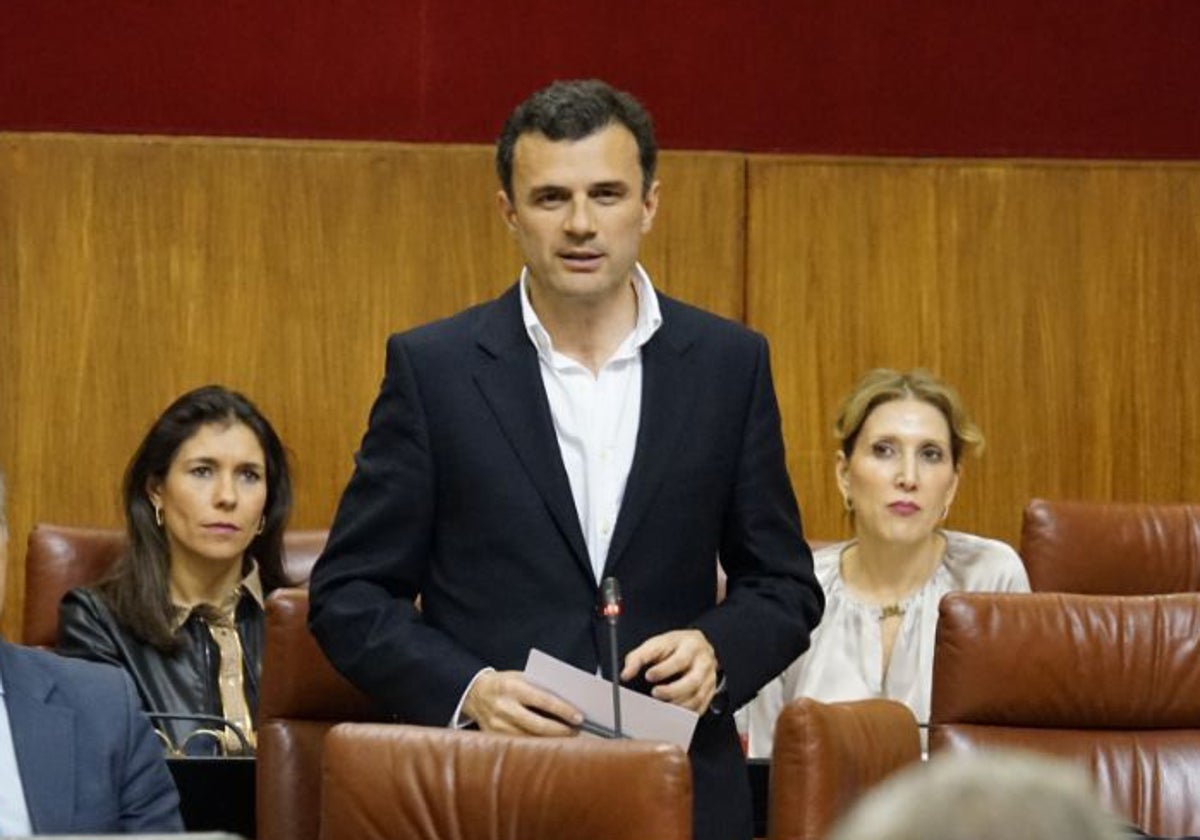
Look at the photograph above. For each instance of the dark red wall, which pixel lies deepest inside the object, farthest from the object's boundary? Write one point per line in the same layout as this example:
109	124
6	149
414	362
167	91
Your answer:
1105	78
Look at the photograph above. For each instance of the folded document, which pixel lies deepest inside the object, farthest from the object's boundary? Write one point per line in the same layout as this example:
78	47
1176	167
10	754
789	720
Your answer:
641	715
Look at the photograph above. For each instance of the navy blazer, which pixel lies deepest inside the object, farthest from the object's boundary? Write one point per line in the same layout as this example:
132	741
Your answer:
460	496
88	758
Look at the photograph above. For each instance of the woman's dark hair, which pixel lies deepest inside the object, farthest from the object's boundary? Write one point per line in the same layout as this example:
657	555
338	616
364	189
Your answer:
138	590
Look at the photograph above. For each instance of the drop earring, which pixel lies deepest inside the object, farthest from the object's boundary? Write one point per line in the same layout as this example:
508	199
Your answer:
158	517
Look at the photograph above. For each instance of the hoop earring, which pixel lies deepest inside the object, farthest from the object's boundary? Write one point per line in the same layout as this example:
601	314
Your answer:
262	525
848	504
158	517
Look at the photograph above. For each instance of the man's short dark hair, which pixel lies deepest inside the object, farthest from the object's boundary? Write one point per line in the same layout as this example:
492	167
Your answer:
571	111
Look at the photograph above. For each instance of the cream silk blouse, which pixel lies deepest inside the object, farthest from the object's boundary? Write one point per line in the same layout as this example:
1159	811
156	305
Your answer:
845	661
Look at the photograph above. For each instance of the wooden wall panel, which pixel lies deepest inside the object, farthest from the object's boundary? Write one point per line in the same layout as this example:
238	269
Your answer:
134	269
1060	298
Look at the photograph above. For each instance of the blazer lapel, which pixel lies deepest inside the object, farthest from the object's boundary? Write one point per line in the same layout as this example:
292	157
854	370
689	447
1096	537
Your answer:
512	385
668	392
44	741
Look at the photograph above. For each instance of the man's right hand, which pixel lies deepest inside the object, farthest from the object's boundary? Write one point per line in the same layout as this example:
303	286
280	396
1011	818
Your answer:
504	701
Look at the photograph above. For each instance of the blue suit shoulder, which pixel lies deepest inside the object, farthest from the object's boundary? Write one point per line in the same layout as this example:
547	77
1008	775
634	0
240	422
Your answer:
77	727
95	690
73	676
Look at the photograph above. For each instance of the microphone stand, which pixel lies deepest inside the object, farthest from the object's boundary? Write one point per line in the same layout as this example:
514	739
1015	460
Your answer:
611	593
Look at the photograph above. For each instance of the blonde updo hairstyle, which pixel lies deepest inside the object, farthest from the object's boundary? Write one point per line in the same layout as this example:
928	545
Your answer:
884	385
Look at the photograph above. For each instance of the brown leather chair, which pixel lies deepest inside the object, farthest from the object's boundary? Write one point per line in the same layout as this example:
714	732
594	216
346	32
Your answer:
57	559
61	557
393	782
826	755
1110	548
1109	683
301	698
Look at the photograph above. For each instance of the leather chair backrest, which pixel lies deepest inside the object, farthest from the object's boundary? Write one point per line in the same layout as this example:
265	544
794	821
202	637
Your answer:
301	548
394	782
826	755
57	559
1110	548
60	557
301	698
1110	683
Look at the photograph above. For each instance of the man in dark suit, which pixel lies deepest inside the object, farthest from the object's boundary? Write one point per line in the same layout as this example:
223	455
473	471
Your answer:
580	426
77	756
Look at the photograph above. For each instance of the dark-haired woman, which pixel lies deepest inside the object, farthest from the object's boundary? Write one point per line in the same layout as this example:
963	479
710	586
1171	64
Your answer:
207	496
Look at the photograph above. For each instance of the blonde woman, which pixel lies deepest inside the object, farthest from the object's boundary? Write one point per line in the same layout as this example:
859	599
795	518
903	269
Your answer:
902	438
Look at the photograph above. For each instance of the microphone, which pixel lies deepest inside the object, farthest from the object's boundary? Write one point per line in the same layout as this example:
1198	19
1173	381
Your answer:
610	595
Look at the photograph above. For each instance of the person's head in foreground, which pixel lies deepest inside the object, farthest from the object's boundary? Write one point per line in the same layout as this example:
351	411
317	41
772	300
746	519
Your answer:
997	795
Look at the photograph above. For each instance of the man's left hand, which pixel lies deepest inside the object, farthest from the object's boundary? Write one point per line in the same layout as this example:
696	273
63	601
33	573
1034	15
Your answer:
682	668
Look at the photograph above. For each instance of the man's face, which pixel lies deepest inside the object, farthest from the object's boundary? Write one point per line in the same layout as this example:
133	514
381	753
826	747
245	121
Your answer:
578	213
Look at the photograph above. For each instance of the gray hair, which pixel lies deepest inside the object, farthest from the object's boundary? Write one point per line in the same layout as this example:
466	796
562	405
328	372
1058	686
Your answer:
993	795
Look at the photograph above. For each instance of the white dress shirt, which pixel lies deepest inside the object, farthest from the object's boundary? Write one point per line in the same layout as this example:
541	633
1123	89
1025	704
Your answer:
14	815
596	417
845	659
596	422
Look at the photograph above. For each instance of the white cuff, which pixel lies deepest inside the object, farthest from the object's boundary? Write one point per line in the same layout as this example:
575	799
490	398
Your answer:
459	720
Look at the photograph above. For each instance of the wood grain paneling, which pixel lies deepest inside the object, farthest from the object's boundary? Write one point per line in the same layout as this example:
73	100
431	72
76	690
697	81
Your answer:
1061	299
133	269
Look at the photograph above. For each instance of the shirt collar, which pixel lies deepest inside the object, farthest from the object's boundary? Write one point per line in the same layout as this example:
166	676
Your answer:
250	585
649	317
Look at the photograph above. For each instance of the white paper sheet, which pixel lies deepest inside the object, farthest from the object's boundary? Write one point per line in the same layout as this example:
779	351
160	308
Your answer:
641	715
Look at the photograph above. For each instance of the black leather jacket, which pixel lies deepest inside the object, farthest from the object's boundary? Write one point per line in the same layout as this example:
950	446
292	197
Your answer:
184	682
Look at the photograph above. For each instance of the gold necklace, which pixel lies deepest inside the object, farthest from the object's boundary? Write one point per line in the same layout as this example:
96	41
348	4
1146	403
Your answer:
896	609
